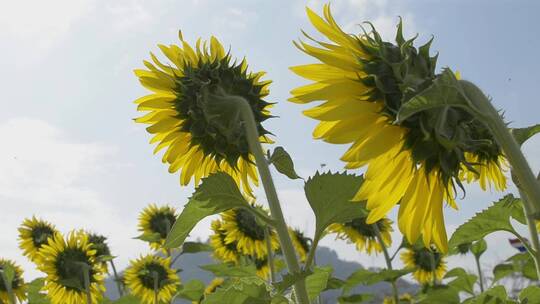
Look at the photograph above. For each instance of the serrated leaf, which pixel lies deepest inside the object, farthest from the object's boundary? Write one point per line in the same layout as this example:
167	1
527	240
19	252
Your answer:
530	295
445	91
193	290
227	270
502	270
494	218
289	279
35	296
440	295
195	247
128	299
523	134
217	193
463	281
478	248
241	291
329	196
355	298
366	277
317	281
283	163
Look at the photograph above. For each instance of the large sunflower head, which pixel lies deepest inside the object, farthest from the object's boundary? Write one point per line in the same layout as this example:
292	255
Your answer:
66	263
428	263
241	227
300	242
33	234
363	82
227	252
157	222
186	104
363	235
148	272
99	244
17	283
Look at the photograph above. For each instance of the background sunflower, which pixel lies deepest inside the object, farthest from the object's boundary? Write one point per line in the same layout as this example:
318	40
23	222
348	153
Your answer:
227	252
155	223
17	284
363	235
429	264
33	234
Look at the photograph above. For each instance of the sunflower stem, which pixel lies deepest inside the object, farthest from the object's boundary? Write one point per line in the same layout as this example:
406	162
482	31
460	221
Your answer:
531	223
387	259
271	194
311	256
270	255
433	267
9	287
480	275
156	287
86	274
117	279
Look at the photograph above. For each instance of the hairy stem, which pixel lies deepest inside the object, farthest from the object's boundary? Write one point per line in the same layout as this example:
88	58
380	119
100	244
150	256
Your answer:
311	255
271	194
531	223
387	259
480	275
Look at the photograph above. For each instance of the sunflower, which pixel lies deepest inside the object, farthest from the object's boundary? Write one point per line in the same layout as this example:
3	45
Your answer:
64	261
184	94
363	234
33	234
263	269
417	161
300	243
403	299
210	288
426	262
223	251
157	221
103	252
141	274
241	227
17	284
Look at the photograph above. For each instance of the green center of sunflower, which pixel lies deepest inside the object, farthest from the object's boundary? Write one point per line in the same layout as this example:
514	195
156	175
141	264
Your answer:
99	244
304	241
152	271
366	230
70	267
196	95
15	283
248	225
426	259
40	235
161	222
438	138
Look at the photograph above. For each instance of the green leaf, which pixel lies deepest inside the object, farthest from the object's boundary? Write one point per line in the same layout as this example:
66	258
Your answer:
524	263
366	277
523	134
283	163
355	298
195	247
495	295
445	91
289	279
227	270
495	218
329	195
149	237
502	270
463	281
241	291
192	290
35	296
478	248
440	295
317	282
8	273
334	283
530	295
128	299
217	193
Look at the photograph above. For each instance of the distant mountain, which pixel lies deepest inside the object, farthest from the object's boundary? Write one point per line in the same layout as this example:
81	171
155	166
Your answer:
325	256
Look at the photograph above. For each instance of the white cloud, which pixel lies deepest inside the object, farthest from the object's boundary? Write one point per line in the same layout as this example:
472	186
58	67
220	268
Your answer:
128	14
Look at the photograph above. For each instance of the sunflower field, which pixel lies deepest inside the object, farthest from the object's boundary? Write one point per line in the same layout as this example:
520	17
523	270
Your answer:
415	135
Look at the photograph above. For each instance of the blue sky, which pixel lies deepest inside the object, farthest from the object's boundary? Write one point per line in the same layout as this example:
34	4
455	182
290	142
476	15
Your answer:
71	153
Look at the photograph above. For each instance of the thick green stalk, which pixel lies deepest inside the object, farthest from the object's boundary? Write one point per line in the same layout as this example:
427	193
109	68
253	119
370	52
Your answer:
271	194
531	222
387	259
9	288
117	279
86	273
480	275
270	255
311	255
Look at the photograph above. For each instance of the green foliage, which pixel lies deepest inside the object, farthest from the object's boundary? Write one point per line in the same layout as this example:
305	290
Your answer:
495	218
440	295
478	248
530	295
329	196
523	134
283	163
217	193
495	295
502	270
35	296
193	290
241	291
355	298
194	247
524	264
366	277
463	282
317	281
149	237
289	279
228	270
